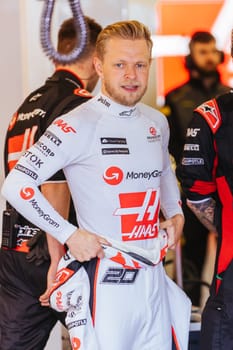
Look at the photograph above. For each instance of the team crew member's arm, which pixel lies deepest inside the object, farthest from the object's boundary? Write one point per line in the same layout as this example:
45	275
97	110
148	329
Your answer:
21	190
204	211
196	172
170	196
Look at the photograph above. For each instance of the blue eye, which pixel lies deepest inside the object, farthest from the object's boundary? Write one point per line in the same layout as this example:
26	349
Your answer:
119	65
141	65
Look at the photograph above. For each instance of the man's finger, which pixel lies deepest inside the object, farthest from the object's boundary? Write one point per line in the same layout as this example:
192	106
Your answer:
103	240
100	254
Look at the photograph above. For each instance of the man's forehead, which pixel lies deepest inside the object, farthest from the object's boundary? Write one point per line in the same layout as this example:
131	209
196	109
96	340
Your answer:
127	46
210	44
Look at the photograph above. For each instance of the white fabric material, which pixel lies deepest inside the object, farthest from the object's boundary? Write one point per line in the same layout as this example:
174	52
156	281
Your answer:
73	297
165	307
180	309
153	255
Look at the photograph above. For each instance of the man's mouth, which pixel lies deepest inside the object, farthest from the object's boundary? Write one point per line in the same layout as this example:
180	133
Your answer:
130	88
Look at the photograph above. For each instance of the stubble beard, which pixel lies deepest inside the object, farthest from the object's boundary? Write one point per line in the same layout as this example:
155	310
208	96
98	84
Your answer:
126	99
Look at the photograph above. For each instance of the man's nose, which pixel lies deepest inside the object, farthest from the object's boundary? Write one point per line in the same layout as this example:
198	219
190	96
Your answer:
130	72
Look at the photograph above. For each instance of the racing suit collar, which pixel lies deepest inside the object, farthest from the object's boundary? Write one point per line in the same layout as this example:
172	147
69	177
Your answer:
106	104
70	76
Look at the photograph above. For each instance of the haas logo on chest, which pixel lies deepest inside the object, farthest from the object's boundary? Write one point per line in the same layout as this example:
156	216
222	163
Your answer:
139	215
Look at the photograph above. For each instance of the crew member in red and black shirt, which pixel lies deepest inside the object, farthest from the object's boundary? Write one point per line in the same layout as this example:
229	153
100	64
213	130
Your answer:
24	255
206	175
204	82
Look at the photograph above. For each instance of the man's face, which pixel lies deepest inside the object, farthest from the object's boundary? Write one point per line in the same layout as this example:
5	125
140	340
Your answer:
124	70
206	56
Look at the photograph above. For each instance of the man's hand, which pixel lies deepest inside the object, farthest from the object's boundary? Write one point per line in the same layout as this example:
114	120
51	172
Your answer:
85	245
174	228
44	298
56	250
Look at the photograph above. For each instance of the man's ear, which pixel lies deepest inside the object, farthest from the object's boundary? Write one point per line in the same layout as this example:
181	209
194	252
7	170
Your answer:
98	66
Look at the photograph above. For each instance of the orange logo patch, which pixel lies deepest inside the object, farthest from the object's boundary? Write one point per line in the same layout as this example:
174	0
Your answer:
82	93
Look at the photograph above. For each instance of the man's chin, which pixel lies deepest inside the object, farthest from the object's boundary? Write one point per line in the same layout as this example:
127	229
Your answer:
208	73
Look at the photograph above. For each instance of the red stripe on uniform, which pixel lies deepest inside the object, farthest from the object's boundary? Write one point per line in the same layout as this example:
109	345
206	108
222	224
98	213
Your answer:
203	187
175	339
226	251
94	291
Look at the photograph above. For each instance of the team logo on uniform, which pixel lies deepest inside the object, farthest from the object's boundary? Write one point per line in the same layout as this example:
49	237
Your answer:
139	215
65	127
61	277
192	132
37	112
153	135
116	150
193	161
210	111
27	193
26	171
104	101
33	159
82	92
53	138
127	113
76	343
152	131
13	121
191	147
35	97
113	141
113	175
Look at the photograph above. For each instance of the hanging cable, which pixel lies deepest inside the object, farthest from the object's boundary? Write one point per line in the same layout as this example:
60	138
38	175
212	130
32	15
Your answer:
45	32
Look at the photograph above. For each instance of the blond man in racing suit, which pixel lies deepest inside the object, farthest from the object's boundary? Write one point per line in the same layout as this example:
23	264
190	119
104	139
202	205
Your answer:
114	153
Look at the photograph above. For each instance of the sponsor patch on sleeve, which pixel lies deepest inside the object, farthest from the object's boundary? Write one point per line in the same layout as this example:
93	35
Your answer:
82	93
210	111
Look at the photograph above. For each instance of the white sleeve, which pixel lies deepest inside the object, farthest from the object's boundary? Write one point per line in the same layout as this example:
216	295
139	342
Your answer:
47	156
170	193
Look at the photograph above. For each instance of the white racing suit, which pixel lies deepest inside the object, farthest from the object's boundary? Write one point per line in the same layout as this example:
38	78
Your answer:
117	165
78	284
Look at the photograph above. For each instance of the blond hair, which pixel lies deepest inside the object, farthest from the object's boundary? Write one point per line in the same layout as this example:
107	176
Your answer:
129	30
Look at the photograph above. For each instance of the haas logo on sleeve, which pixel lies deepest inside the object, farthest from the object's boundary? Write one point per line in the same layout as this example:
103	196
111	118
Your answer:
65	127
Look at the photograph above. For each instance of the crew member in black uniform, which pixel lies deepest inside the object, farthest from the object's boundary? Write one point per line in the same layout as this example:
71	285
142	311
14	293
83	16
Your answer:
206	176
203	84
24	255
